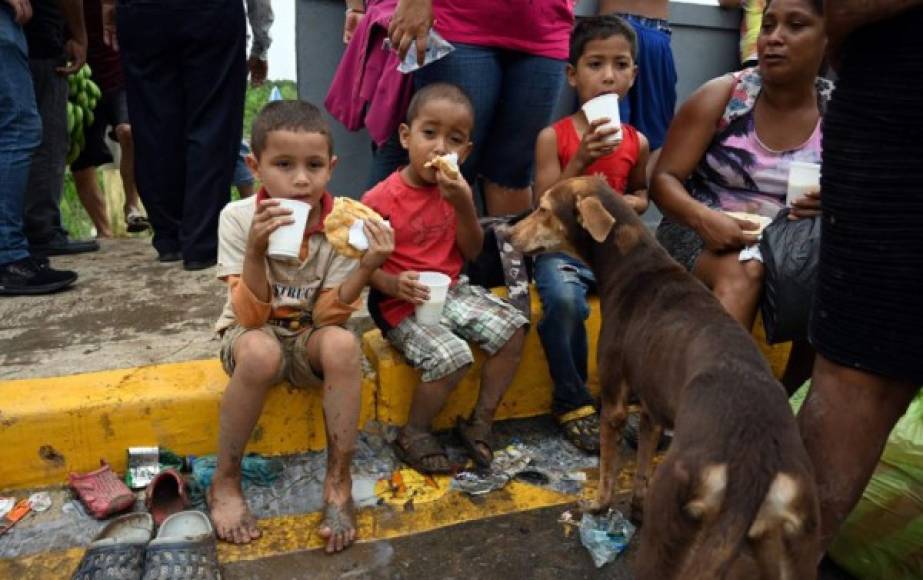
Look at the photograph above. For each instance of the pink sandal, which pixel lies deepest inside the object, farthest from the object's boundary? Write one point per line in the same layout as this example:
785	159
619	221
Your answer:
101	491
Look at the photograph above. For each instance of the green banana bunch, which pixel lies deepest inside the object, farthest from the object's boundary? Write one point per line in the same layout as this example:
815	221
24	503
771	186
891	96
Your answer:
83	94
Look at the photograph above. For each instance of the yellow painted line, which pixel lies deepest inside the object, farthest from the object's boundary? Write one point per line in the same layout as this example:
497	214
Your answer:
288	534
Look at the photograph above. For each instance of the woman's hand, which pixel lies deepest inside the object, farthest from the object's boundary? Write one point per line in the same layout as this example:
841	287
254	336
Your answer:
351	24
269	217
411	21
806	206
723	233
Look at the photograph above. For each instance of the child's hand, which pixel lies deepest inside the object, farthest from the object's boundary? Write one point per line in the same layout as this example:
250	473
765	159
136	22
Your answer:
593	145
381	244
455	191
410	289
806	206
267	218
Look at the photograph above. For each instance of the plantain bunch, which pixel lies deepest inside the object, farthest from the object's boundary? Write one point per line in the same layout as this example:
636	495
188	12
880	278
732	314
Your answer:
83	94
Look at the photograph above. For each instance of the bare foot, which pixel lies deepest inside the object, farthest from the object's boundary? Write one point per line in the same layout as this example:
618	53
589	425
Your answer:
229	512
339	524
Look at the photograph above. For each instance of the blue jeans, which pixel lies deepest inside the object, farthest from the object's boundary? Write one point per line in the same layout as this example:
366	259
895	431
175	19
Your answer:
20	134
563	283
514	95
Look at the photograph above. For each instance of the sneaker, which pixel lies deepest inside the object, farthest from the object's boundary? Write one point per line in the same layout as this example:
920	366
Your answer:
30	276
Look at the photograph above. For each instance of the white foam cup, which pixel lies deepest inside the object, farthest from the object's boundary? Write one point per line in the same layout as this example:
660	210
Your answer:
605	106
803	177
285	242
430	312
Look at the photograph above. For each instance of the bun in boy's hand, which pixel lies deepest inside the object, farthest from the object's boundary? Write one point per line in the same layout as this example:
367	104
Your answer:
336	226
447	164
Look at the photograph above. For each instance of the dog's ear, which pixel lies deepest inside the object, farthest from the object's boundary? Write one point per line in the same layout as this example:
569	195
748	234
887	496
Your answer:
594	218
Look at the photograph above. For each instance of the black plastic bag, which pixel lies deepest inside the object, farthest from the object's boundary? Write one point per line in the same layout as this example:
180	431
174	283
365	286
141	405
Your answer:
499	264
791	250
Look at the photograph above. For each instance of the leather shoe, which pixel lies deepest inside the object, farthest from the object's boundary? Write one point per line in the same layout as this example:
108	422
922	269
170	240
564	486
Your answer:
169	257
193	265
63	247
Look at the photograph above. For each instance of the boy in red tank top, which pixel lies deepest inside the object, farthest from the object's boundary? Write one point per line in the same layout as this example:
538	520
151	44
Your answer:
602	61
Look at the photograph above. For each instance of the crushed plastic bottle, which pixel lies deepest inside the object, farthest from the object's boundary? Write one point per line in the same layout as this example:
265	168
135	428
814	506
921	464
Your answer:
507	463
605	536
436	48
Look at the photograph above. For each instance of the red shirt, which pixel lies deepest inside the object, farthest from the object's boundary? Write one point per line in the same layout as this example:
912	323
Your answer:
424	226
614	167
538	27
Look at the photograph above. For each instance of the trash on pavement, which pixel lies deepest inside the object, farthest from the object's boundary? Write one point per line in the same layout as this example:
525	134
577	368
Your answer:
407	486
40	501
507	463
6	504
255	469
605	536
533	476
19	511
143	466
363	492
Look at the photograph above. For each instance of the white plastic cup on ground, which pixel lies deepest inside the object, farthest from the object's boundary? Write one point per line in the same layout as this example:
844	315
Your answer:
430	312
803	177
285	242
605	106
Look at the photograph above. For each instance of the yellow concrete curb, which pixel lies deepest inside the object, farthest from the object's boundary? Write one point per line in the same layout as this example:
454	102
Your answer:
52	426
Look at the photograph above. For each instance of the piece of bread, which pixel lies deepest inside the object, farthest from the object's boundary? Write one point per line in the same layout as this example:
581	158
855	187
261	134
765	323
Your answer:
447	164
336	226
756	218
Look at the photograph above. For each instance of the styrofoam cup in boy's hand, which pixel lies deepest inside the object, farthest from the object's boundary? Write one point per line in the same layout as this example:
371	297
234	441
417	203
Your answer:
285	242
605	106
803	177
430	312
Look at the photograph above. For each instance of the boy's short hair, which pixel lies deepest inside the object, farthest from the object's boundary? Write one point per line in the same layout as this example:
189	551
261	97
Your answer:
288	115
435	91
602	27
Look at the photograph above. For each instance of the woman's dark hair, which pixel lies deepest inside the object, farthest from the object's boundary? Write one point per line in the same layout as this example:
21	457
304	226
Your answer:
817	5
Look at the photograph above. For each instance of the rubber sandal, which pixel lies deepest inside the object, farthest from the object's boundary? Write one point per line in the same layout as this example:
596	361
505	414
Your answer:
581	428
117	551
101	491
136	222
185	548
422	445
473	434
166	495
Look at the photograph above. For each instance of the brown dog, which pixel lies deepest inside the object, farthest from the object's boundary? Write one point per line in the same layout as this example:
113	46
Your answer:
736	481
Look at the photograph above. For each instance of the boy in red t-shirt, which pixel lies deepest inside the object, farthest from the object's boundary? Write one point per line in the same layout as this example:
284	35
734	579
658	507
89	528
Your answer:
601	61
435	229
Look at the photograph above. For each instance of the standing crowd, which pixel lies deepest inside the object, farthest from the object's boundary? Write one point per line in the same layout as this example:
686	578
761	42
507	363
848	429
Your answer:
180	78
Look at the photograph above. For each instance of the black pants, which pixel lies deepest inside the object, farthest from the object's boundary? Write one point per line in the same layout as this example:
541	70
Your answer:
185	74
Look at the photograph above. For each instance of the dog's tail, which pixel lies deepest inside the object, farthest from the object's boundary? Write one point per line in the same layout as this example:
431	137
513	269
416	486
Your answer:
735	509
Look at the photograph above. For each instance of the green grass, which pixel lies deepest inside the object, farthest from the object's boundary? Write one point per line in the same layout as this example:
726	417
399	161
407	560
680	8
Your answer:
75	219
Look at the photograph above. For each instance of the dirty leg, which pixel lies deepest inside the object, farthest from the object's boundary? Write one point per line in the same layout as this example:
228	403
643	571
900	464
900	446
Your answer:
496	377
258	358
844	457
648	437
335	351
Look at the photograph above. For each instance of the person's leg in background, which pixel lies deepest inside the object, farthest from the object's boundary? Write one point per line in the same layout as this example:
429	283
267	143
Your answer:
151	53
20	134
529	93
243	178
42	211
86	181
135	218
215	81
563	283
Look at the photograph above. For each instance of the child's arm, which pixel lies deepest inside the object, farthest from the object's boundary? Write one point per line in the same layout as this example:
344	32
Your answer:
636	191
403	286
548	170
267	218
381	244
469	237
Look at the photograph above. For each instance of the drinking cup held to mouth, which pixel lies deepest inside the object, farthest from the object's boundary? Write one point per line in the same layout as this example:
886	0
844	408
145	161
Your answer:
285	242
430	312
605	106
803	177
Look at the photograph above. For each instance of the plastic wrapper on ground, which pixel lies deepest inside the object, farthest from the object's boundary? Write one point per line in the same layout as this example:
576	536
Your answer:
605	536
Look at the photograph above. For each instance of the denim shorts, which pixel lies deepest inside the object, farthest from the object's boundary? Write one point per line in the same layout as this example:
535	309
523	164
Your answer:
514	96
242	175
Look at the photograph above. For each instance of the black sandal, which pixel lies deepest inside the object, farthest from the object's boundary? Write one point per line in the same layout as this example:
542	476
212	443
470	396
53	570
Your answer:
118	549
419	447
474	435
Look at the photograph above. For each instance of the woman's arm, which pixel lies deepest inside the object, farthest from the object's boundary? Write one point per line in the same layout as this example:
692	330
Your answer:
691	132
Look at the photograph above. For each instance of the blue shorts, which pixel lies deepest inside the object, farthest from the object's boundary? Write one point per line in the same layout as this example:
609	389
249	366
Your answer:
242	175
514	96
652	100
